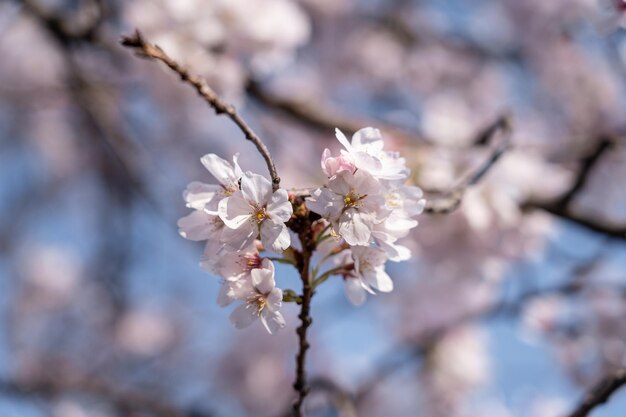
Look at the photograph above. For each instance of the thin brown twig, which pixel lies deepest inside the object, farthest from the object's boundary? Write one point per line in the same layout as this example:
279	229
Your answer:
600	393
145	49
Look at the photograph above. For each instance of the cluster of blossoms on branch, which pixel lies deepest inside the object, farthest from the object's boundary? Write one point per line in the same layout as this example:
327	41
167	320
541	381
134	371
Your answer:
359	215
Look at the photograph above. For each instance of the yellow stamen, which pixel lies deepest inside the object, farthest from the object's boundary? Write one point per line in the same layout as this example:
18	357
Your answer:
260	215
258	302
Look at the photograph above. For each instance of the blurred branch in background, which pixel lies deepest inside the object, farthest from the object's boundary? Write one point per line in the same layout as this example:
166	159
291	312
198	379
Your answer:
445	202
320	118
561	207
600	393
445	70
412	351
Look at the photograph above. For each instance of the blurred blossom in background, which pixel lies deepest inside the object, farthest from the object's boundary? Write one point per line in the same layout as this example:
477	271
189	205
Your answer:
512	305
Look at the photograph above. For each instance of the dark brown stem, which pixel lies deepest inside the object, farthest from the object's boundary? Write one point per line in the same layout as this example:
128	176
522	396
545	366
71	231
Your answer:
300	385
147	50
600	393
301	223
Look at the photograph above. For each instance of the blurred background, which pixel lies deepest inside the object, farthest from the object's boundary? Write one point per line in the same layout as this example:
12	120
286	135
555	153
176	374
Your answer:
513	304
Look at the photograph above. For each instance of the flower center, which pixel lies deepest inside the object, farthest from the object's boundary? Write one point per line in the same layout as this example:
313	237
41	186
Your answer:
258	302
230	189
352	199
393	200
252	261
260	215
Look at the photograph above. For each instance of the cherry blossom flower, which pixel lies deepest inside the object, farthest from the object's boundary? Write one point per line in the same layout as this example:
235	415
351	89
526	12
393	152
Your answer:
201	196
404	202
233	266
256	210
368	274
353	203
261	300
334	165
366	152
200	225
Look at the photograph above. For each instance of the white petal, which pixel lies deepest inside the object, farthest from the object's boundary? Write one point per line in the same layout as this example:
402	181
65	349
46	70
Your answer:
240	238
343	139
355	227
325	203
263	280
275	236
395	253
221	169
367	162
369	139
235	210
211	256
198	225
273	321
399	226
243	316
256	188
232	265
198	195
236	168
279	208
342	183
226	294
354	291
365	184
378	279
275	299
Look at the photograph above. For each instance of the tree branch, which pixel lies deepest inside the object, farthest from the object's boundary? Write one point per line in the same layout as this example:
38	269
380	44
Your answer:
561	207
305	321
600	393
319	118
398	356
446	202
587	165
147	50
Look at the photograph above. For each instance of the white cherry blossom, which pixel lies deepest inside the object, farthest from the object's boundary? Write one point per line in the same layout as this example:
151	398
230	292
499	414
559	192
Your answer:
353	203
233	266
261	300
256	211
366	151
404	202
368	274
334	165
202	196
200	225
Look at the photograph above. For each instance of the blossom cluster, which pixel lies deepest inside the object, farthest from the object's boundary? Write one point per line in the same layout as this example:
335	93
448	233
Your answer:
231	216
367	204
365	208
